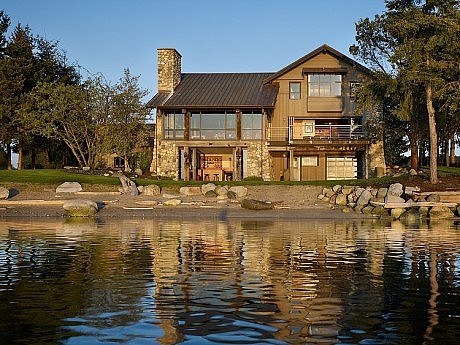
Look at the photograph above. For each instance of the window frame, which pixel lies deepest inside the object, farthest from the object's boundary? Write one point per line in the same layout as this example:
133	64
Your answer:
173	125
252	132
208	132
325	85
295	94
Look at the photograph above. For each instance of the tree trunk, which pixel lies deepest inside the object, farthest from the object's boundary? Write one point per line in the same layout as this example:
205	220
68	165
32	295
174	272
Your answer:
413	150
20	157
33	158
452	151
433	134
8	154
446	152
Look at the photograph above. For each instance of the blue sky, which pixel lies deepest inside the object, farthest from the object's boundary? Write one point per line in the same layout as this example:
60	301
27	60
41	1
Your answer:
107	36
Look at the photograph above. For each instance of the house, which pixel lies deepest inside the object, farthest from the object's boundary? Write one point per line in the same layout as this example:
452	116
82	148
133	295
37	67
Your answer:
299	123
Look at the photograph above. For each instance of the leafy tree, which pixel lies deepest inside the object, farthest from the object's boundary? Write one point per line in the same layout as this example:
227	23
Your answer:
128	127
419	41
16	79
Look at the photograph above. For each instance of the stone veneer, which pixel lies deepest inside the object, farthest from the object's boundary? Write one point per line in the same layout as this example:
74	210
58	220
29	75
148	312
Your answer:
169	69
258	163
165	158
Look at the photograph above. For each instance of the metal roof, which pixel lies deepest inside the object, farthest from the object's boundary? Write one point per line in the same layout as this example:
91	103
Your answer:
219	90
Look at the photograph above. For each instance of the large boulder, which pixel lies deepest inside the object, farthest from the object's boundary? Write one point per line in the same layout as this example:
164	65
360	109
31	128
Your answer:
440	212
395	189
240	191
341	199
4	193
207	187
253	204
69	187
364	198
151	190
128	186
80	208
190	191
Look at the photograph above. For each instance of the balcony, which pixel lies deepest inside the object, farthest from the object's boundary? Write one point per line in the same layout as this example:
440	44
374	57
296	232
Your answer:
319	134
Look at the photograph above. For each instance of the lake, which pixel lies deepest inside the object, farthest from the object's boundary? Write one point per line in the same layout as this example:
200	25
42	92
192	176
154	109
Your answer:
241	281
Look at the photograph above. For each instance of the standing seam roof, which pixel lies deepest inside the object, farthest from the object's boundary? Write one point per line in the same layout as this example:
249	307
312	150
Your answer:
219	90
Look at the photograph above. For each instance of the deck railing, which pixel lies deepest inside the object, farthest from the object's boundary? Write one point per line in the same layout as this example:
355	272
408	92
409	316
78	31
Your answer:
320	132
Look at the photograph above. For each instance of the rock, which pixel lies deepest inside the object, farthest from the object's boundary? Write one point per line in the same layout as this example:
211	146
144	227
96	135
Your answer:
397	212
433	198
138	171
410	190
346	210
210	194
69	187
328	192
220	190
351	198
367	210
412	215
4	193
380	211
128	186
382	192
80	208
190	190
359	191
253	204
231	195
151	190
341	199
440	212
206	187
337	188
347	190
332	199
172	202
393	198
423	211
364	198
413	172
240	191
395	189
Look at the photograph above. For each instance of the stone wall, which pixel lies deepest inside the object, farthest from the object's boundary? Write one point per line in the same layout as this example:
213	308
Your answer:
258	163
169	69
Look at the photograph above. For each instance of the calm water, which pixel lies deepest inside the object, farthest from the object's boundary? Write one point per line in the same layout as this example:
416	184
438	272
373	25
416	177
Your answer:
235	282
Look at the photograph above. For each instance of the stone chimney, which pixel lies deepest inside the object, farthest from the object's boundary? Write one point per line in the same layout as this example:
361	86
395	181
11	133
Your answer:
169	69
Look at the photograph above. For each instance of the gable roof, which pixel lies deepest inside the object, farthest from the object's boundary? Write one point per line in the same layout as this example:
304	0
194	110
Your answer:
322	49
218	90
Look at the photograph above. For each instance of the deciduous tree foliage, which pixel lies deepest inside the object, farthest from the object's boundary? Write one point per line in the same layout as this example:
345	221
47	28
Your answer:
419	42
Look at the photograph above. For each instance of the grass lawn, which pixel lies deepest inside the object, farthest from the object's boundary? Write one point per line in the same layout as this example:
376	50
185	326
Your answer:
54	177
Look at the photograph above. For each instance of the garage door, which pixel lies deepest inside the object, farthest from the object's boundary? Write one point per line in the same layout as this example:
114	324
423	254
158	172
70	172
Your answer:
341	168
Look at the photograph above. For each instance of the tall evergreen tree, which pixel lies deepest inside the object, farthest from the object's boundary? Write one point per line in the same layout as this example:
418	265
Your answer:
420	41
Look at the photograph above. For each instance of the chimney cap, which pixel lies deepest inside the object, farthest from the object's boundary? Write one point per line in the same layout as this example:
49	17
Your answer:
174	49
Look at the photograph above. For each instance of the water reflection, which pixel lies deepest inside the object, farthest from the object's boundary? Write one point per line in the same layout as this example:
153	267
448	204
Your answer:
246	282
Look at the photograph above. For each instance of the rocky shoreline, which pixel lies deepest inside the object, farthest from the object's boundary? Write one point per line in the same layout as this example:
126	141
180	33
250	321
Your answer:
222	202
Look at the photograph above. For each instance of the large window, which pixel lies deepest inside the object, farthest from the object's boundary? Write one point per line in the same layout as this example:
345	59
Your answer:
213	126
251	126
174	126
324	85
294	90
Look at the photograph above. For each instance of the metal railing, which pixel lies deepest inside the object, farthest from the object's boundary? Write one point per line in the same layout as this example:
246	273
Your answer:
320	132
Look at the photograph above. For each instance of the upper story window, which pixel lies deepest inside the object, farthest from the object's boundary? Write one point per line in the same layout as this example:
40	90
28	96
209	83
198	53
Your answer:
324	85
294	90
251	125
213	126
174	125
